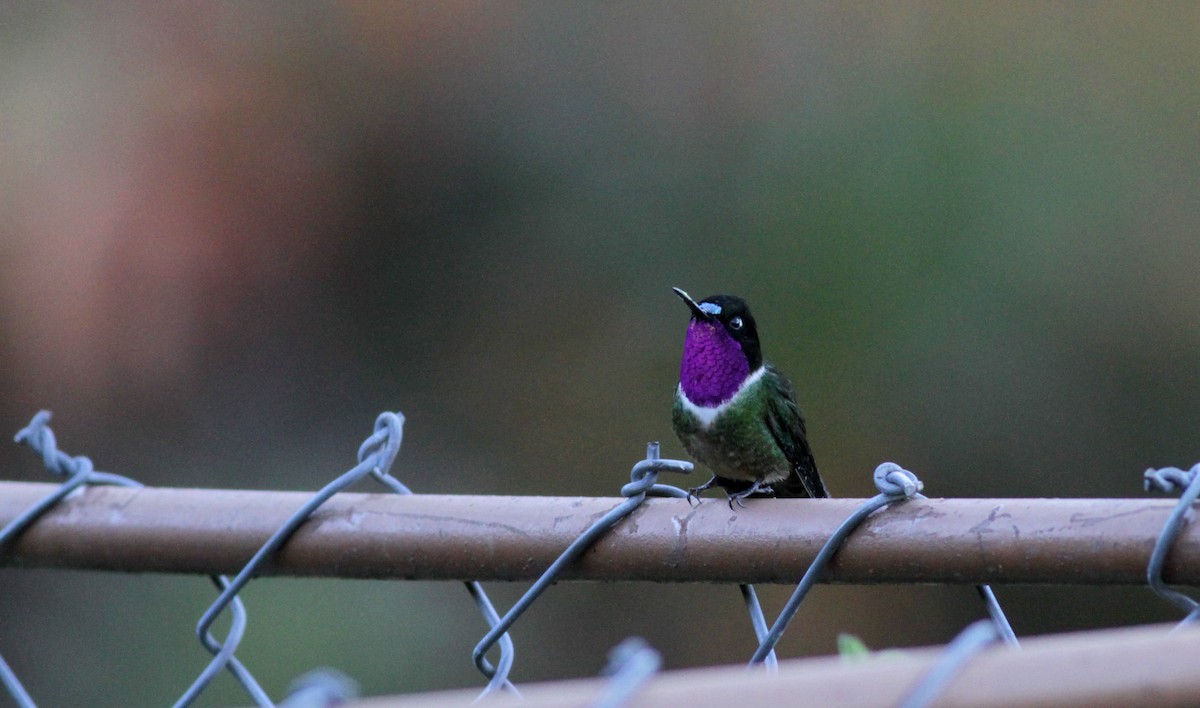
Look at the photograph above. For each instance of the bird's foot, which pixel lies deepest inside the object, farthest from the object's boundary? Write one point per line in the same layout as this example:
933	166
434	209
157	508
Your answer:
757	488
694	492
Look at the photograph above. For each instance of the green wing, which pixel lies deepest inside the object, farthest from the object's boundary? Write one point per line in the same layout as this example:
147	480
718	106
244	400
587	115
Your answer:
786	424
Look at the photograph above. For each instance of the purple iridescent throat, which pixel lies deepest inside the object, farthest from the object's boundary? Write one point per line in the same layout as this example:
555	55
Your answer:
713	364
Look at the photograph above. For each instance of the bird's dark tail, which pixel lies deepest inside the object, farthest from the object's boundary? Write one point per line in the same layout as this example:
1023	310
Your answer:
804	481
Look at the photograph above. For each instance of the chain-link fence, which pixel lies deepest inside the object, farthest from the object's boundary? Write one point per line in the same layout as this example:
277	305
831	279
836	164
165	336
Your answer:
120	525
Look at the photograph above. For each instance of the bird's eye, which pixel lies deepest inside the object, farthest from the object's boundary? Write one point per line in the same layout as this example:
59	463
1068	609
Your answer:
735	323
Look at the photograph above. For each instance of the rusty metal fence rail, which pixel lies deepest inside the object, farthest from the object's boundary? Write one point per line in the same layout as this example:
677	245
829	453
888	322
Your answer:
97	520
451	537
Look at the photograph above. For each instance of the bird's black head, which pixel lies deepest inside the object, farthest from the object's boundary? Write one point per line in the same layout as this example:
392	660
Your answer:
733	316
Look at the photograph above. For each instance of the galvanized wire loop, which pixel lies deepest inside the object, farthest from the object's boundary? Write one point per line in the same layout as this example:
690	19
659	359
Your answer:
382	447
41	439
1169	480
968	644
631	664
79	470
643	479
38	436
894	484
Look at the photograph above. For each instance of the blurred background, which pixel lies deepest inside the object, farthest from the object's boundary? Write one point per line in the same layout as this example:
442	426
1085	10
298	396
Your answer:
233	233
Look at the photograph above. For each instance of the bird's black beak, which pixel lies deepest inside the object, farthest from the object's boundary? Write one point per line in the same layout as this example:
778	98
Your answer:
696	311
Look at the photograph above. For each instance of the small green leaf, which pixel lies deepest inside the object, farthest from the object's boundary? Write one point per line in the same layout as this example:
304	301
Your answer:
851	647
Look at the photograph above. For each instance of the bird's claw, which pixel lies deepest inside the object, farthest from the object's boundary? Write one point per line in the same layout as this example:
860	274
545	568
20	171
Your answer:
757	488
694	492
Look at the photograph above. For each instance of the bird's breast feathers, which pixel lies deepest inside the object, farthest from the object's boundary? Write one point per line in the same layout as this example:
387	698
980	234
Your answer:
707	414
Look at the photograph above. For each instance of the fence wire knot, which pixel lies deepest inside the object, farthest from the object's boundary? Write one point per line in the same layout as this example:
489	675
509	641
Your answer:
40	438
895	481
382	447
643	477
1170	480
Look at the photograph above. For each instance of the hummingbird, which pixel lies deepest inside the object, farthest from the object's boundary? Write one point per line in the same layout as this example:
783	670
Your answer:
735	413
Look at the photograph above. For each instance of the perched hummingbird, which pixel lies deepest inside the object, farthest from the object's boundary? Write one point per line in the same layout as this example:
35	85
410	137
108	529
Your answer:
735	413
